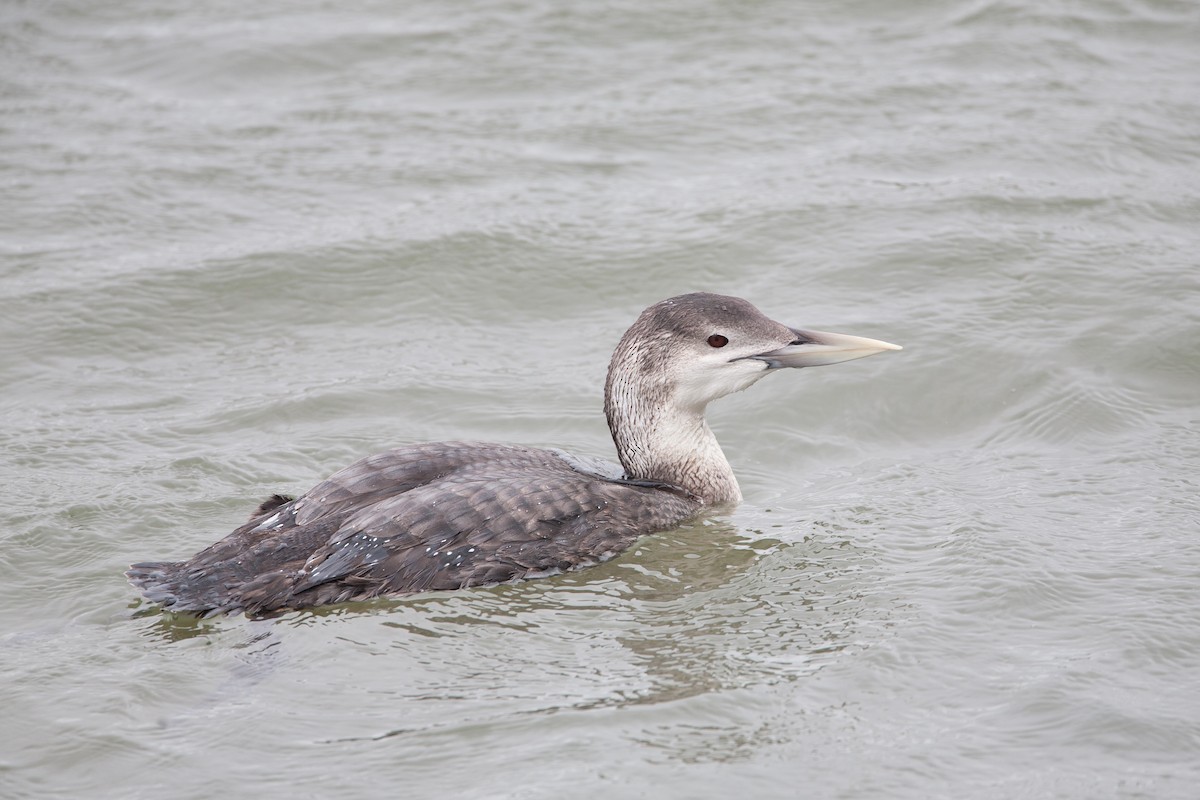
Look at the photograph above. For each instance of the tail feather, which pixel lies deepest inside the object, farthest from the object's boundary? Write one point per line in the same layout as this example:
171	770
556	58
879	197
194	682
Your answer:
171	584
155	580
208	583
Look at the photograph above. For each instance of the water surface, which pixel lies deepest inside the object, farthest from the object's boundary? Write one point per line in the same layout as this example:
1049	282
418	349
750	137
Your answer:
241	246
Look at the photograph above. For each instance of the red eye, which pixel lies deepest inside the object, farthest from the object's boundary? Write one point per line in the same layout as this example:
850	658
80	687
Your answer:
717	340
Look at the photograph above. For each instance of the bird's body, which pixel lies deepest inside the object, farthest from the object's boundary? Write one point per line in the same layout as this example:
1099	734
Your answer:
448	515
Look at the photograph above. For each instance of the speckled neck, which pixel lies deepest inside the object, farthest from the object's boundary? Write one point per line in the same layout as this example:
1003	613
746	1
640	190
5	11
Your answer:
656	438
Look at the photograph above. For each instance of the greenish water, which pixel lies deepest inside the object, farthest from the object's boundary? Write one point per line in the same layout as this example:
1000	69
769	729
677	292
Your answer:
241	246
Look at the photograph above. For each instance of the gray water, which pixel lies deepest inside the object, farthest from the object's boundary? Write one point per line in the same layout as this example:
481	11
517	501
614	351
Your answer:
244	244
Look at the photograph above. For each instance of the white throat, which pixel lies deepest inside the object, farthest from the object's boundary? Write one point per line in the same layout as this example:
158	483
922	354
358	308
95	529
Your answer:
675	446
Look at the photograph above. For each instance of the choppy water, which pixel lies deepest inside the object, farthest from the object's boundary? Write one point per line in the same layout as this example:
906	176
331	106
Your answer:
243	244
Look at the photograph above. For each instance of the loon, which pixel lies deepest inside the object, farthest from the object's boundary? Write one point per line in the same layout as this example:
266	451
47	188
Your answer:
449	515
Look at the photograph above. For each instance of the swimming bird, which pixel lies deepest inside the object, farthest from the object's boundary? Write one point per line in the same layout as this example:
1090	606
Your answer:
449	515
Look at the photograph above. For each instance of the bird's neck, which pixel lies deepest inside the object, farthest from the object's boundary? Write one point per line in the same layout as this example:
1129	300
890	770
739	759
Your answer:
659	442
